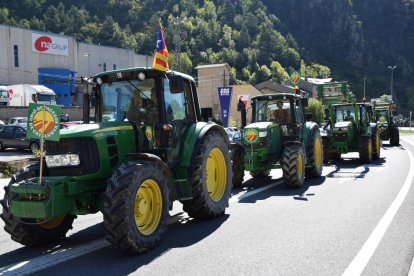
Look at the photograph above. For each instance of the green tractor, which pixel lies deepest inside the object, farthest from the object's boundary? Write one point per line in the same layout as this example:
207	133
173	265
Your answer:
278	137
350	130
148	147
385	116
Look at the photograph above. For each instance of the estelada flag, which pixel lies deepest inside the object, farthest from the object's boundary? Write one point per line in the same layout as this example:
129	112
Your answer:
161	53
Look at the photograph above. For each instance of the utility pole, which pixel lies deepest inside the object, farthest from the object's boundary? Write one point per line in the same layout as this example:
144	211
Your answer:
392	80
364	90
177	42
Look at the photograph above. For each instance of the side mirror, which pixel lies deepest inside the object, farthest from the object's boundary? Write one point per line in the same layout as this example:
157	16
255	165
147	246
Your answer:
206	113
305	102
176	84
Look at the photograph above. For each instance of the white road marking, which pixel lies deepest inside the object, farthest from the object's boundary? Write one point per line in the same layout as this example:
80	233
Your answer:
358	264
256	191
53	258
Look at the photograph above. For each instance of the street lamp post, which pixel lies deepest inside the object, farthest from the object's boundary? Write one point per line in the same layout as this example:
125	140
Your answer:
392	80
89	66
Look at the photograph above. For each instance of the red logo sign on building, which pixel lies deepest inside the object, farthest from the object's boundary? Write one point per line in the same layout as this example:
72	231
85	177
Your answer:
48	44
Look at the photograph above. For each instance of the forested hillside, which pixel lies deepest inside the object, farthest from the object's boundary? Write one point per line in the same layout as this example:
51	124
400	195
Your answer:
260	40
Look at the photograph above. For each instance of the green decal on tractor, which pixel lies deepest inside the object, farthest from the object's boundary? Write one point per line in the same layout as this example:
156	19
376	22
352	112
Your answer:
43	121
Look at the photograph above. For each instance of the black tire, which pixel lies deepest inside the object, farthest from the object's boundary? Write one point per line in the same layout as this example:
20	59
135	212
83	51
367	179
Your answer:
293	166
260	174
376	142
34	147
205	203
394	137
31	232
365	149
315	155
129	190
237	166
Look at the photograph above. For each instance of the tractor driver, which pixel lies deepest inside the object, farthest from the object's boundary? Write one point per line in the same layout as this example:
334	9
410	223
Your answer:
348	116
281	115
135	113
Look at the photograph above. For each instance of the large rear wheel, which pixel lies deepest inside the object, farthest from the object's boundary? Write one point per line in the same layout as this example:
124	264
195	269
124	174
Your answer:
315	154
293	166
136	206
211	178
365	149
32	232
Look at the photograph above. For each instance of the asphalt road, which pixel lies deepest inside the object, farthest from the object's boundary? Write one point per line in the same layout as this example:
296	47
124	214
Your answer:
356	219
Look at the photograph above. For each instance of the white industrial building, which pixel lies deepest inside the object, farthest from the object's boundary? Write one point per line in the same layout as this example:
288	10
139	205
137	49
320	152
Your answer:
23	52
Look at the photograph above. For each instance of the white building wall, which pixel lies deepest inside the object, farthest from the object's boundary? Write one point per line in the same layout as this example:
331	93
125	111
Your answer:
85	59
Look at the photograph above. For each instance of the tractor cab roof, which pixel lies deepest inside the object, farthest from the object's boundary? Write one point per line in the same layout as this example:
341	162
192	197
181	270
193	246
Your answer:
133	73
277	96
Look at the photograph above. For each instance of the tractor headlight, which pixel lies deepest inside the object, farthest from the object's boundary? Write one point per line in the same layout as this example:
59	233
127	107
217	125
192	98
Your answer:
62	160
262	134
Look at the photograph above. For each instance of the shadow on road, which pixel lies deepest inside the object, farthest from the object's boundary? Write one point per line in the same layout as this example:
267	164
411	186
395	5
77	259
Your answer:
184	233
280	190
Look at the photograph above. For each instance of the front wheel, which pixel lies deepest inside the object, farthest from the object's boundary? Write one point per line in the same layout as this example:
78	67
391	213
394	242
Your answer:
32	232
212	178
260	174
377	146
34	148
238	166
395	137
136	206
365	149
293	166
315	153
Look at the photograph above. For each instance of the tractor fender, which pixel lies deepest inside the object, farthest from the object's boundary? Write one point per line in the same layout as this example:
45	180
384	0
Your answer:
192	141
154	158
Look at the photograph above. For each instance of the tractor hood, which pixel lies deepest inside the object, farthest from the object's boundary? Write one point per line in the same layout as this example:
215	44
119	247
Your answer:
342	124
260	125
97	130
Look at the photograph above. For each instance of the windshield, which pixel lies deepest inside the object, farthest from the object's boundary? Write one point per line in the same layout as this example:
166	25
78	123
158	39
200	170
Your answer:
128	100
344	113
276	110
4	94
381	115
45	98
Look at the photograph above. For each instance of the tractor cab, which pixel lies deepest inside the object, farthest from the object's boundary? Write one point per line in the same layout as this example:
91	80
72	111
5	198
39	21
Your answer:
158	106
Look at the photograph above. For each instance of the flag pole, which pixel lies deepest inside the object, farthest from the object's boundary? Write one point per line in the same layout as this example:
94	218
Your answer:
41	143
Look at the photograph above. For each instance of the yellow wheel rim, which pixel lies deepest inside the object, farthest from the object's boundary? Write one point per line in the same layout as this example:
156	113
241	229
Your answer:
148	207
369	149
318	152
51	223
216	174
300	165
378	144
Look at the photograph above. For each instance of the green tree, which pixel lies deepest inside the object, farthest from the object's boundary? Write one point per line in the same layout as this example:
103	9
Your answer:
315	107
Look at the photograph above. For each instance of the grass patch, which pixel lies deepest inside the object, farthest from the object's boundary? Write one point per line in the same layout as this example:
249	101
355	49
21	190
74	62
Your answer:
406	131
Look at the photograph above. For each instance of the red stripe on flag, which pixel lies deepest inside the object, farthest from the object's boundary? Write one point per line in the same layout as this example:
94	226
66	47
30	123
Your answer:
161	62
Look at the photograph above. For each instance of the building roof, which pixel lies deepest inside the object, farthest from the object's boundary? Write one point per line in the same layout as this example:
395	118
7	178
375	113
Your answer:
204	66
317	81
